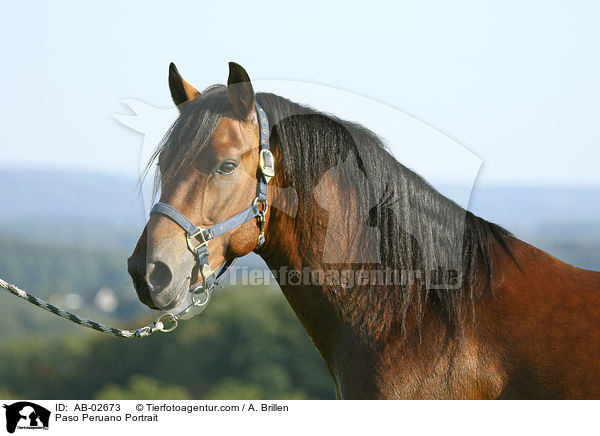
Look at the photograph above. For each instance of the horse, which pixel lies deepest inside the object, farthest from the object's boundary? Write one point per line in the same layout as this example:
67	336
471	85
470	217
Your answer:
405	294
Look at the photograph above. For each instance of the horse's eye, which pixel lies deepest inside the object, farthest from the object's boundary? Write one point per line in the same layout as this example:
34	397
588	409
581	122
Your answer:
227	167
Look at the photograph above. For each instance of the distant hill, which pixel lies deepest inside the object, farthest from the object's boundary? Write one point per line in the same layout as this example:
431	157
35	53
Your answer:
71	207
107	211
575	210
67	195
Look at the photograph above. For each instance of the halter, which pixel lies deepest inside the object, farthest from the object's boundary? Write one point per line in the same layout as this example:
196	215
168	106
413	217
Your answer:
203	235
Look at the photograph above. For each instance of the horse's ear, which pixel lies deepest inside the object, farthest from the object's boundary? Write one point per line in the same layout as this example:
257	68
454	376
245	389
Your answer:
240	91
181	91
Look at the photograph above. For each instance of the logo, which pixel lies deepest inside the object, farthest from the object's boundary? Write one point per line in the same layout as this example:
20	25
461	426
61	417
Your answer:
26	415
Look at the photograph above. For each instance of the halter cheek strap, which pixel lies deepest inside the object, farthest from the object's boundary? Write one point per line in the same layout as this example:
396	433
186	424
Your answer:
196	234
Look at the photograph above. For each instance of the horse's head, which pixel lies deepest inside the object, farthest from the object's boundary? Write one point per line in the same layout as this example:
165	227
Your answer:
209	170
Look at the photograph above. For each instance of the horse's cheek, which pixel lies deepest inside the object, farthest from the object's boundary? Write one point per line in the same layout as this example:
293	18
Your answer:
243	240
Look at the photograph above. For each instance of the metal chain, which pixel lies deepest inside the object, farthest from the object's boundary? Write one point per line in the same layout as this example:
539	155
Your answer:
160	324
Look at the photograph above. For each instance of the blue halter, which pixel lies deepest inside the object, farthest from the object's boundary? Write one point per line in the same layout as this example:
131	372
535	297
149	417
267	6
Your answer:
195	233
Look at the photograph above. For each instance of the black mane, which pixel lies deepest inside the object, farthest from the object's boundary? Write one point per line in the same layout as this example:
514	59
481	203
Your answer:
420	229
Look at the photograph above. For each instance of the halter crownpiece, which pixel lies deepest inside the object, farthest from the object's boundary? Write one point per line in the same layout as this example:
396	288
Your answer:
203	235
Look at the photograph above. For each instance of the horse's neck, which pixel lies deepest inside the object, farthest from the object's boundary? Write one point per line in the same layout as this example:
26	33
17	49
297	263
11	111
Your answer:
292	253
354	328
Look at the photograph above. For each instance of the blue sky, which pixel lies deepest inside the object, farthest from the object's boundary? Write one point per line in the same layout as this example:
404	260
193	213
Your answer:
517	83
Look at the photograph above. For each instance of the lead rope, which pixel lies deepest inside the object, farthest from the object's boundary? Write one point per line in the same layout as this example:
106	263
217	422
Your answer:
167	322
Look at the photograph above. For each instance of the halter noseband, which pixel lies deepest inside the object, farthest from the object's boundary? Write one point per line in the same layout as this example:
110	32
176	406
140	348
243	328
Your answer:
193	232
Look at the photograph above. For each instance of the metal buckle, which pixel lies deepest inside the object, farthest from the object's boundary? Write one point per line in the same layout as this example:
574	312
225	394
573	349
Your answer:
195	236
267	164
262	216
263	220
206	271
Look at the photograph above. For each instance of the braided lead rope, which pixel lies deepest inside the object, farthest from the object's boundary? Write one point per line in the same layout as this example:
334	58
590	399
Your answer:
147	330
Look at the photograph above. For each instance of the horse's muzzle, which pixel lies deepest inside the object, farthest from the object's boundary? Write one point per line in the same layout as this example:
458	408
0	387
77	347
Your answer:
137	271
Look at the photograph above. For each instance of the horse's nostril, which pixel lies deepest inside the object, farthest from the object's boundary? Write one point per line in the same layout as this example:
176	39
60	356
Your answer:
158	276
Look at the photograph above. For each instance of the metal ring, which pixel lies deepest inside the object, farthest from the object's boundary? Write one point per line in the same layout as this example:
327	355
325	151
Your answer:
200	303
256	201
160	326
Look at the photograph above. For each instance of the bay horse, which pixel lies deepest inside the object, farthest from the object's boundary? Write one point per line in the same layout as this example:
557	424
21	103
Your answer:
405	294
